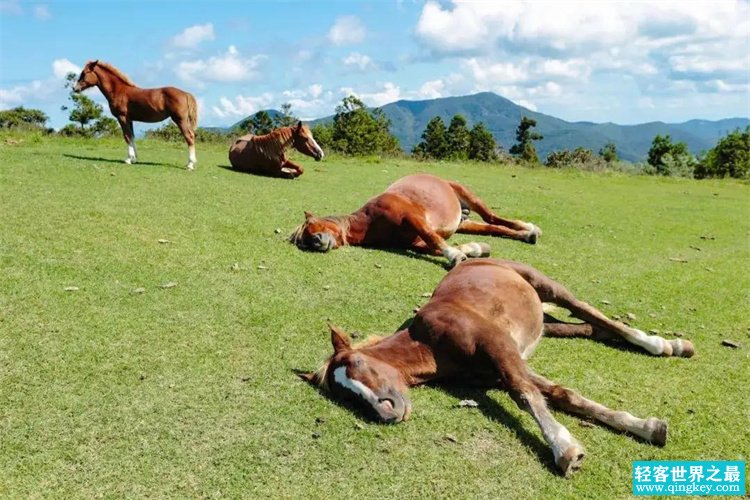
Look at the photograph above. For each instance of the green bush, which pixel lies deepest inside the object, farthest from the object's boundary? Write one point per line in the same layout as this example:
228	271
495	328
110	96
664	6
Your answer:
729	158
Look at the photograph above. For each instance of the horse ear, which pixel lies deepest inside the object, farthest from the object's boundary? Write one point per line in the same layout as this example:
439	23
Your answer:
308	215
95	63
339	339
299	125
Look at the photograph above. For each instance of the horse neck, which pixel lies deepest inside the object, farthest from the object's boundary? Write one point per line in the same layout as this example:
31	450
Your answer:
108	84
354	227
412	358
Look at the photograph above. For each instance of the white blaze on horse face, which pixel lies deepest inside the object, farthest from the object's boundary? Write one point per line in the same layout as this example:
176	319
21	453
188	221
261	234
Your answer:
357	387
318	148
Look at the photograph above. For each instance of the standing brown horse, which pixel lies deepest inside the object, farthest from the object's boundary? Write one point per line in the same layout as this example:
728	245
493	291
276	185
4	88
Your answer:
266	154
418	212
129	103
483	321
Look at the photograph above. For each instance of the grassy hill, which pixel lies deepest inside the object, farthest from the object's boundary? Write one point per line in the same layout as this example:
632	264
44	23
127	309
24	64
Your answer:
151	319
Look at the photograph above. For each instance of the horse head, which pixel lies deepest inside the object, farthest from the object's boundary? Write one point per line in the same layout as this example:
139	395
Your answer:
87	78
372	383
319	234
304	142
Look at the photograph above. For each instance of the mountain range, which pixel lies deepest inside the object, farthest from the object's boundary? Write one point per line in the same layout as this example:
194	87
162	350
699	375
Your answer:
501	116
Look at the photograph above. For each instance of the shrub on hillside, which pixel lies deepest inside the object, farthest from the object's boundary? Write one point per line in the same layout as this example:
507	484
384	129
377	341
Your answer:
729	158
668	158
171	132
358	131
578	158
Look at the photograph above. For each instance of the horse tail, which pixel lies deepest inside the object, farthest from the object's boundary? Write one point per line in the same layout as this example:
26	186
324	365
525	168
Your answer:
192	107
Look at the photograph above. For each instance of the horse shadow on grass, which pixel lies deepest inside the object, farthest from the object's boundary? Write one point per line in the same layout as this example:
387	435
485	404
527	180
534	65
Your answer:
110	160
258	174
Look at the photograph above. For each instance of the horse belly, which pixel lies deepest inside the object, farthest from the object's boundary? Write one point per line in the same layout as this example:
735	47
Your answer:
441	206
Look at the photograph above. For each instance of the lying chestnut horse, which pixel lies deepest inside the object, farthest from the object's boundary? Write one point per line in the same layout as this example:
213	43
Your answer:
418	212
266	154
129	103
483	321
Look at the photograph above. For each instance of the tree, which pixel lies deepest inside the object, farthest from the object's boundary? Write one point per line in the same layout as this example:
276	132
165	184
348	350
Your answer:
21	117
87	114
434	143
359	131
668	158
458	138
729	158
323	134
608	153
525	137
482	145
285	117
261	123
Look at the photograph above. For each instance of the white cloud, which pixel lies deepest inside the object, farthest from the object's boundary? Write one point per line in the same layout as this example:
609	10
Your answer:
361	61
61	68
701	40
193	36
346	30
230	67
315	90
11	7
242	106
431	89
41	12
388	93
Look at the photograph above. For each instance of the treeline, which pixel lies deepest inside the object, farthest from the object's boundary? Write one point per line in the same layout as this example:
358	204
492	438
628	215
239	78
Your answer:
358	131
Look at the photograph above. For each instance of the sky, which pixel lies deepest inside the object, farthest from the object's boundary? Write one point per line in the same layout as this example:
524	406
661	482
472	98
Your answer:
602	61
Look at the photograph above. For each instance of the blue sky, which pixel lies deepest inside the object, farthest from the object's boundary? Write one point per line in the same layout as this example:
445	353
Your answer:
624	62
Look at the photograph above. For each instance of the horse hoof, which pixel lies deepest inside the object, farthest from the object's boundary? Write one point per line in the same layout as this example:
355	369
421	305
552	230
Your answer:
571	460
190	167
457	259
683	348
128	161
534	234
658	430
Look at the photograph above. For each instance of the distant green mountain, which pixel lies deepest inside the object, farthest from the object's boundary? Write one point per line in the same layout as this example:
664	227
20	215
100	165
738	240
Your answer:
501	116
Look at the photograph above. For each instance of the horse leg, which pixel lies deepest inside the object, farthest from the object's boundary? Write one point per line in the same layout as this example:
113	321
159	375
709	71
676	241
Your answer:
474	203
552	291
472	227
189	134
504	354
651	429
470	249
127	133
291	168
437	244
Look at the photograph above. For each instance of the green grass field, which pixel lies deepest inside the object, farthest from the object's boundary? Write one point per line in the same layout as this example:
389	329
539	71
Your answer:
125	388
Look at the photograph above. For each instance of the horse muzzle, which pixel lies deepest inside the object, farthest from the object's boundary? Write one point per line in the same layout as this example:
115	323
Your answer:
322	242
393	407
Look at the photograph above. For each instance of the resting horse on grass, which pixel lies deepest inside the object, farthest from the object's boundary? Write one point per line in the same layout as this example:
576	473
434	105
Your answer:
266	154
483	321
129	103
418	212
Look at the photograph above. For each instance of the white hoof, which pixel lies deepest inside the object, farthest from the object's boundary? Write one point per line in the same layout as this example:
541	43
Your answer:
190	166
129	161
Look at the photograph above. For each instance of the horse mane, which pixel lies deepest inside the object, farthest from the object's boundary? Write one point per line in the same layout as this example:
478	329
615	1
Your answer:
342	221
273	144
119	74
320	377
